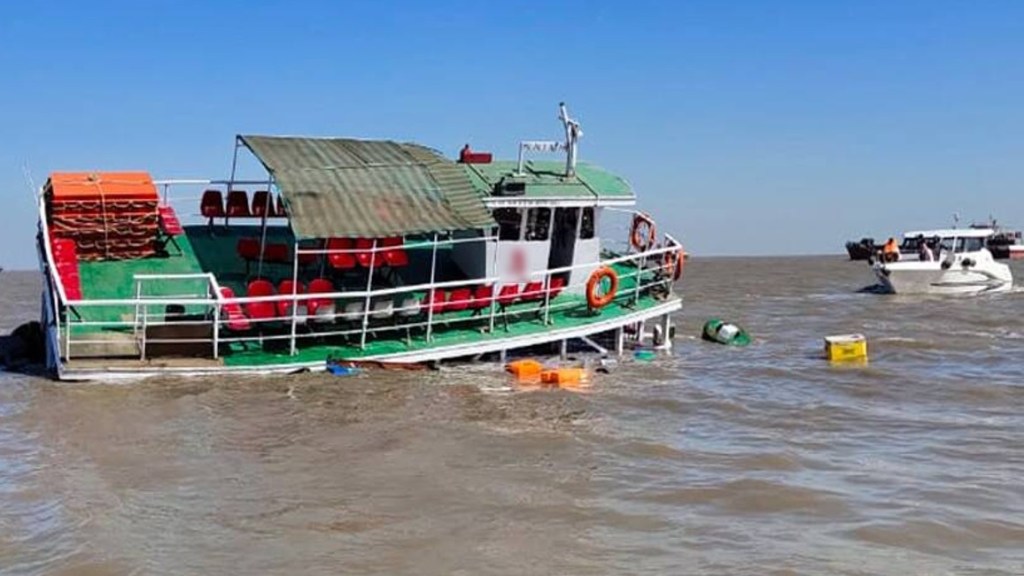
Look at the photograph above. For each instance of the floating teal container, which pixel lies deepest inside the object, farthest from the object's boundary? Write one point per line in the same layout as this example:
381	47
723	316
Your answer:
644	354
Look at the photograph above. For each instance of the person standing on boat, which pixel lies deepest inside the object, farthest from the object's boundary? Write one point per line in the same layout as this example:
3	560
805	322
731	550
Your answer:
890	252
936	246
924	252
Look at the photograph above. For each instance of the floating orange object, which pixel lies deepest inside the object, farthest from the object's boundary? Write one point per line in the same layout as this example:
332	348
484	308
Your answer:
561	376
527	369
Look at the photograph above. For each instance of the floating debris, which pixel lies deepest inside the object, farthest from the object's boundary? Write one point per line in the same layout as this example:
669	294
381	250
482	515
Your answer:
644	354
846	347
722	332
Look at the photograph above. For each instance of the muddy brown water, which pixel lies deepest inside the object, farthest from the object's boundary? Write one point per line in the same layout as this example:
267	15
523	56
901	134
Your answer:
711	460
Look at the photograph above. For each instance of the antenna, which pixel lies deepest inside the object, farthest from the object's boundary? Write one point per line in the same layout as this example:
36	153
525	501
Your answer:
28	179
573	133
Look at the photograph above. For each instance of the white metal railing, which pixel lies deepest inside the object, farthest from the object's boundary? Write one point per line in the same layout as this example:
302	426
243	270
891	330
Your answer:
341	323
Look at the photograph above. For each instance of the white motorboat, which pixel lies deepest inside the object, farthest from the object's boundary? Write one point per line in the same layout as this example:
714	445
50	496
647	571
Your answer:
955	262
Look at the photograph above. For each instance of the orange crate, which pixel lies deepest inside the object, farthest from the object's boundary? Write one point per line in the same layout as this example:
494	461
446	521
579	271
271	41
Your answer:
525	369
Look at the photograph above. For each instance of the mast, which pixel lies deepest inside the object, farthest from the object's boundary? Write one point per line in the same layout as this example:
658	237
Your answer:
573	133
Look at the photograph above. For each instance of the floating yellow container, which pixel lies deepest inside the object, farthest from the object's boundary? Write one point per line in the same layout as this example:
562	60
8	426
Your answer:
846	347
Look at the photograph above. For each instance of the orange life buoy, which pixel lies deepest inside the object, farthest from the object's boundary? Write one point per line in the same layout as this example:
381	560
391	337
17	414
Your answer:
674	263
636	238
594	300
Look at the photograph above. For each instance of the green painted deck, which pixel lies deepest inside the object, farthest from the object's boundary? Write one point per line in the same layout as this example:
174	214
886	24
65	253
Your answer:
203	251
462	328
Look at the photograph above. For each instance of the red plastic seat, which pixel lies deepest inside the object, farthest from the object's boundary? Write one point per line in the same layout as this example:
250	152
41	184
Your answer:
248	248
279	211
395	256
169	222
306	258
236	320
532	292
278	253
340	260
319	286
212	205
458	300
555	287
365	254
434	301
262	204
238	205
508	295
260	310
482	297
287	289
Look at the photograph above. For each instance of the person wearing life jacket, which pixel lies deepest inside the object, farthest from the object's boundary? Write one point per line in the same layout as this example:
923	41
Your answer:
890	252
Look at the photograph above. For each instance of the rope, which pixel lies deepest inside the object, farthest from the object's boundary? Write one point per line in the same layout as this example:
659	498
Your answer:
103	212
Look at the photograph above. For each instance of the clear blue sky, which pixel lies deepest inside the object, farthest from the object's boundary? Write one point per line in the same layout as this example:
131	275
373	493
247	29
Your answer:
746	127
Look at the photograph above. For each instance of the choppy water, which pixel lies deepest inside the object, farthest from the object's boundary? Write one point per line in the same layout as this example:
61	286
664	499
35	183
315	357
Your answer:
764	460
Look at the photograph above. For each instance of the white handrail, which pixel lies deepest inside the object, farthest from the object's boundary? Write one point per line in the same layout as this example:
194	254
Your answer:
216	301
364	293
351	331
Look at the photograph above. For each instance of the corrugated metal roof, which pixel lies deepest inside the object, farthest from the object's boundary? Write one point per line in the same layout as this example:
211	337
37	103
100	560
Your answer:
546	180
341	187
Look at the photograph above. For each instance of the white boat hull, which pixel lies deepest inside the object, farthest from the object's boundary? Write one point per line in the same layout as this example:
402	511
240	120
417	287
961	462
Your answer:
933	278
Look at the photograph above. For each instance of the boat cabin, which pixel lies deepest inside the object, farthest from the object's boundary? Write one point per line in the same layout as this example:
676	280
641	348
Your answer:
949	240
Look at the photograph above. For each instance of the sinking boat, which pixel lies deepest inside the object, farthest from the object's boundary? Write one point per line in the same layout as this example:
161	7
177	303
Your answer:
956	262
349	250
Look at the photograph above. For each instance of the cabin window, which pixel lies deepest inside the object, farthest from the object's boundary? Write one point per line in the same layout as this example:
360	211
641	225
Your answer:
973	244
952	244
587	224
538	224
910	244
510	223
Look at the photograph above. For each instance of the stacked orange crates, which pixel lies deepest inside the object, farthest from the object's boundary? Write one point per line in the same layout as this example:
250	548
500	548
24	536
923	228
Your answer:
109	215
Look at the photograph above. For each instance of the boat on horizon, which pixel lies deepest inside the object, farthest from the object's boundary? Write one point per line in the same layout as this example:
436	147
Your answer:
864	249
958	262
1003	244
347	250
1007	245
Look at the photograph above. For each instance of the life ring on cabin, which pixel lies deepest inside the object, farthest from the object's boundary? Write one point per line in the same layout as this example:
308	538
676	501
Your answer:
636	236
597	301
674	262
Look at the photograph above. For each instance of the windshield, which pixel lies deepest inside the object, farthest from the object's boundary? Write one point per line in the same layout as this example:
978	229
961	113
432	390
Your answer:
963	244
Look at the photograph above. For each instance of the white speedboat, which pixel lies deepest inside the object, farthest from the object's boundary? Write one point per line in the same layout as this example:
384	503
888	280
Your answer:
959	263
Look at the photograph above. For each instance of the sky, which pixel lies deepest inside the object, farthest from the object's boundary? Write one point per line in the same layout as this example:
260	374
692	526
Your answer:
746	128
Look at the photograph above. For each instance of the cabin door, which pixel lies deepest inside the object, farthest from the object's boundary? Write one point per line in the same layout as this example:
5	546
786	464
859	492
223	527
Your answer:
563	239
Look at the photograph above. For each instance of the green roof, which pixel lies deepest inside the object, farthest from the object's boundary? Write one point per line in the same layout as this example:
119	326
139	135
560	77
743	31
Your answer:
341	187
546	180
